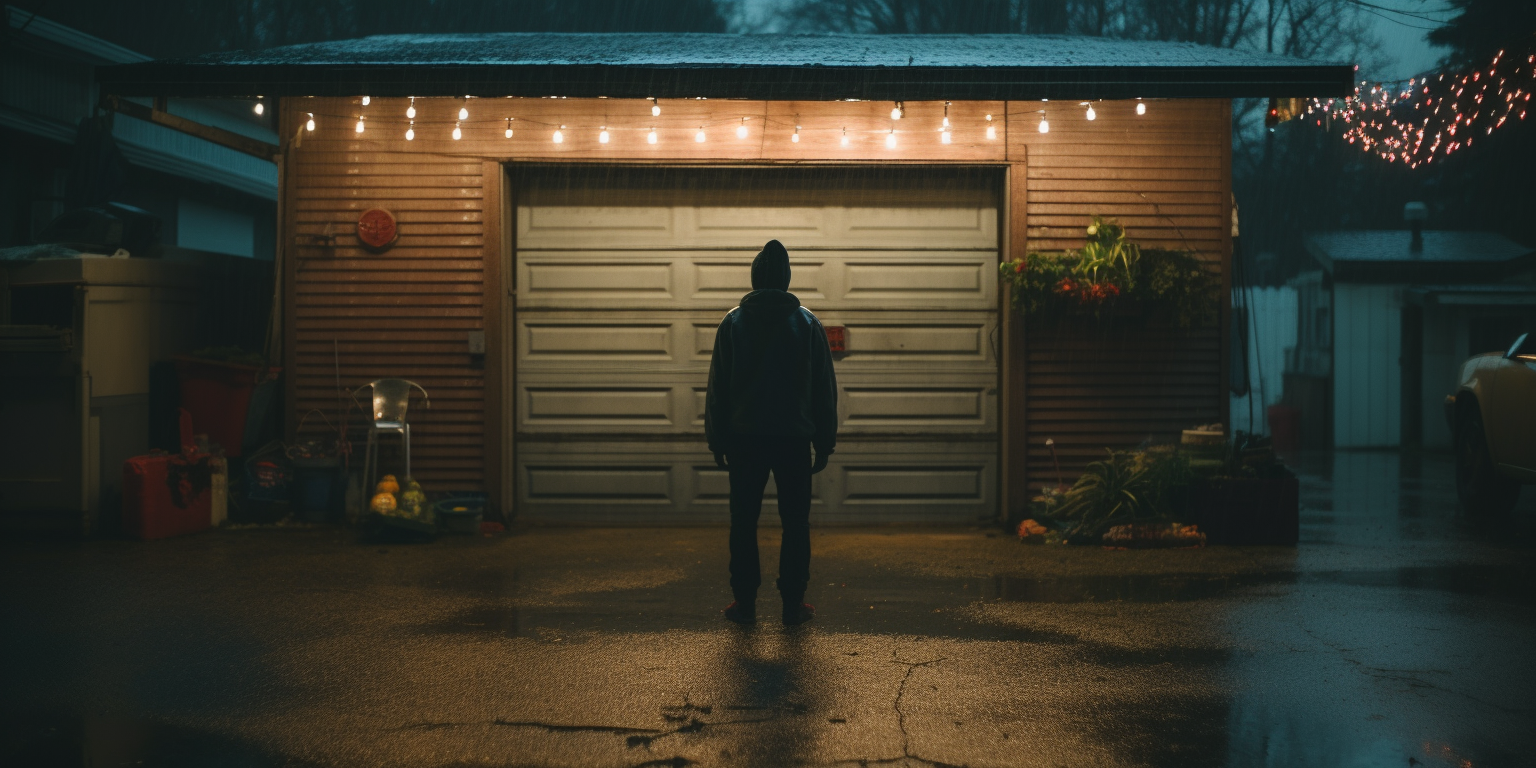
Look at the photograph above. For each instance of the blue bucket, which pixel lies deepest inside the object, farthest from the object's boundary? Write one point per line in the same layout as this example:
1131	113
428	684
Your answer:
460	514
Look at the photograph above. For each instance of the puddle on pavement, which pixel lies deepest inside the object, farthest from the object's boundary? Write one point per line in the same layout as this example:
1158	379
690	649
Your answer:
1135	588
501	622
1181	587
108	740
1455	579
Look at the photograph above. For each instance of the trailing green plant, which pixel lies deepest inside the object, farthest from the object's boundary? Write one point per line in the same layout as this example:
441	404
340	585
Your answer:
1127	487
1110	270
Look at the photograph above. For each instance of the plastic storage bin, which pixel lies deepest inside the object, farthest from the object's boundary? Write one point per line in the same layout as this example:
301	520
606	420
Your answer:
218	395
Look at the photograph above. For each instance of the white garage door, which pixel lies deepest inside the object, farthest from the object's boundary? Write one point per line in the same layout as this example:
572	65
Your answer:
622	276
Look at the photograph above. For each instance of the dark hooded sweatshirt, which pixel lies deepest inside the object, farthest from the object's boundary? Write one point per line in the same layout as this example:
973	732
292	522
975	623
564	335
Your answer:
771	373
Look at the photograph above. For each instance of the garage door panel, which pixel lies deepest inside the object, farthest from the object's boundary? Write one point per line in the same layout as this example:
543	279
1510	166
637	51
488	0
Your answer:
678	483
626	342
603	343
596	224
598	280
937	280
923	408
608	484
832	226
599	407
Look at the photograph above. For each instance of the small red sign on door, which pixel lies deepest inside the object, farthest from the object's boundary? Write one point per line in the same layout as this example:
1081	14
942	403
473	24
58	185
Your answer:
837	338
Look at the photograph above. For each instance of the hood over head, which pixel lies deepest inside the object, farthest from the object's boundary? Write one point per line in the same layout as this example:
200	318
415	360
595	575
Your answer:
771	267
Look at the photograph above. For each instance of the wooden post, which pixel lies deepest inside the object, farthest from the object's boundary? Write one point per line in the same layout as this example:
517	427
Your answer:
494	215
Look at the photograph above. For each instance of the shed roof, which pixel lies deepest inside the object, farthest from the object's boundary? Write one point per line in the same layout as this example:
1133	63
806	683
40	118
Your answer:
688	65
1387	256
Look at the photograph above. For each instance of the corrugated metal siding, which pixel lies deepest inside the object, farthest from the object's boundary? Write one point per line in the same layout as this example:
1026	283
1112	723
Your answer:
1367	365
1271	330
403	313
1164	175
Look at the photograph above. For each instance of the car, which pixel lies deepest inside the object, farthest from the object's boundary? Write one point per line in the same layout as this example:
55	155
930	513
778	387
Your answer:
1492	415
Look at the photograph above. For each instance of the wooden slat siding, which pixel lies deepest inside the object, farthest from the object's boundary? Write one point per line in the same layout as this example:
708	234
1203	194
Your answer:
1165	176
406	312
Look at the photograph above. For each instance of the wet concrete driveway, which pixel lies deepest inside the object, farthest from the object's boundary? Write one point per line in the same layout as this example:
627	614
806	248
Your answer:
1395	635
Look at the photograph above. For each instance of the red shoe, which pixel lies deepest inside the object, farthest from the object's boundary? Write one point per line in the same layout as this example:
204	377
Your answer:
794	616
739	614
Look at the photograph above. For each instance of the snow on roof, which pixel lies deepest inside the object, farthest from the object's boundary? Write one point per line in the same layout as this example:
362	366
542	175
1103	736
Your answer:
738	66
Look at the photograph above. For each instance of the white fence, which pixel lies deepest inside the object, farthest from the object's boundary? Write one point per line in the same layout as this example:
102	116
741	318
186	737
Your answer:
1271	328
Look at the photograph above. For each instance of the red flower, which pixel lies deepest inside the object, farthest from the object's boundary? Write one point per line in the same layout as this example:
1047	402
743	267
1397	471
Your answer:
1019	268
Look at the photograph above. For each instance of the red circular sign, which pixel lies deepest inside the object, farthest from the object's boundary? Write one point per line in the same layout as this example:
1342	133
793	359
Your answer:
377	228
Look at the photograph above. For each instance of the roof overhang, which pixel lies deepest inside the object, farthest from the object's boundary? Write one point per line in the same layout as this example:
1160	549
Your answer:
1444	257
1472	295
773	67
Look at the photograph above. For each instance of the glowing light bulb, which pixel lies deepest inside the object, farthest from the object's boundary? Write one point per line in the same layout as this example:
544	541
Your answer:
457	134
1045	125
410	112
1141	107
310	124
410	132
650	138
991	129
741	130
559	137
509	127
944	137
795	137
359	125
1092	115
463	113
699	137
260	107
845	137
897	111
365	101
602	135
890	139
655	109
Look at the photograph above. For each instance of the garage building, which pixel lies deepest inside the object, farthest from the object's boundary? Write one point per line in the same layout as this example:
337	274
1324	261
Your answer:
588	206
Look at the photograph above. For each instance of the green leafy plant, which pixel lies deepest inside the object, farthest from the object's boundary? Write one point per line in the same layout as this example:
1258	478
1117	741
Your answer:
1109	270
1127	487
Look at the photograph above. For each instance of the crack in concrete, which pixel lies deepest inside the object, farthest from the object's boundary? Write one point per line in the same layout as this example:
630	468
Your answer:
1411	677
572	728
907	757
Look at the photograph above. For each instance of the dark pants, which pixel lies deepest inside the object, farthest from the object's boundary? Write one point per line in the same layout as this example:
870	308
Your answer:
750	462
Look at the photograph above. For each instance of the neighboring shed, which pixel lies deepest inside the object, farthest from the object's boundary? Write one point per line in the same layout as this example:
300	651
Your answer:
1405	311
590	203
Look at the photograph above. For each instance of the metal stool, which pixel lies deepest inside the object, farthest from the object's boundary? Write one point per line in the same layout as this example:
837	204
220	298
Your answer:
391	399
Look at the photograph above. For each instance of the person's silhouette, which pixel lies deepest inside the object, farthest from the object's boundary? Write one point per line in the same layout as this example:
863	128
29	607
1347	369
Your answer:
772	396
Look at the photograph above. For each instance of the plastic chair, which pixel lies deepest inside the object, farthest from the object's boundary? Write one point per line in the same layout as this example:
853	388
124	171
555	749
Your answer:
391	400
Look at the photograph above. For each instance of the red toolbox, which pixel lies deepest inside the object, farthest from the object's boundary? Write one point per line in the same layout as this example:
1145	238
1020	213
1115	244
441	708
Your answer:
167	494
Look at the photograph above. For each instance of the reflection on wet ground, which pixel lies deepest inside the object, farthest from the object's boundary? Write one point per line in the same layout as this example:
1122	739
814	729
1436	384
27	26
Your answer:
1397	634
1516	583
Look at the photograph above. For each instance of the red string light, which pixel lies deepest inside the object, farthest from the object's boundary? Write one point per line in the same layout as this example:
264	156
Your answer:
1414	121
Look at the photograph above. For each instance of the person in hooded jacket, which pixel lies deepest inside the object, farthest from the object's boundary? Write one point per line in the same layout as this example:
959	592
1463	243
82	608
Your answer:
772	399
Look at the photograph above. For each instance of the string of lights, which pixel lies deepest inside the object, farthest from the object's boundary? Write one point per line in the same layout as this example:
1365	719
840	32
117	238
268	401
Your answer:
558	132
1416	120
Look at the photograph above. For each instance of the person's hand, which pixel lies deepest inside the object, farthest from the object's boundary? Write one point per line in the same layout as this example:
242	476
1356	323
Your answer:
720	460
820	462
